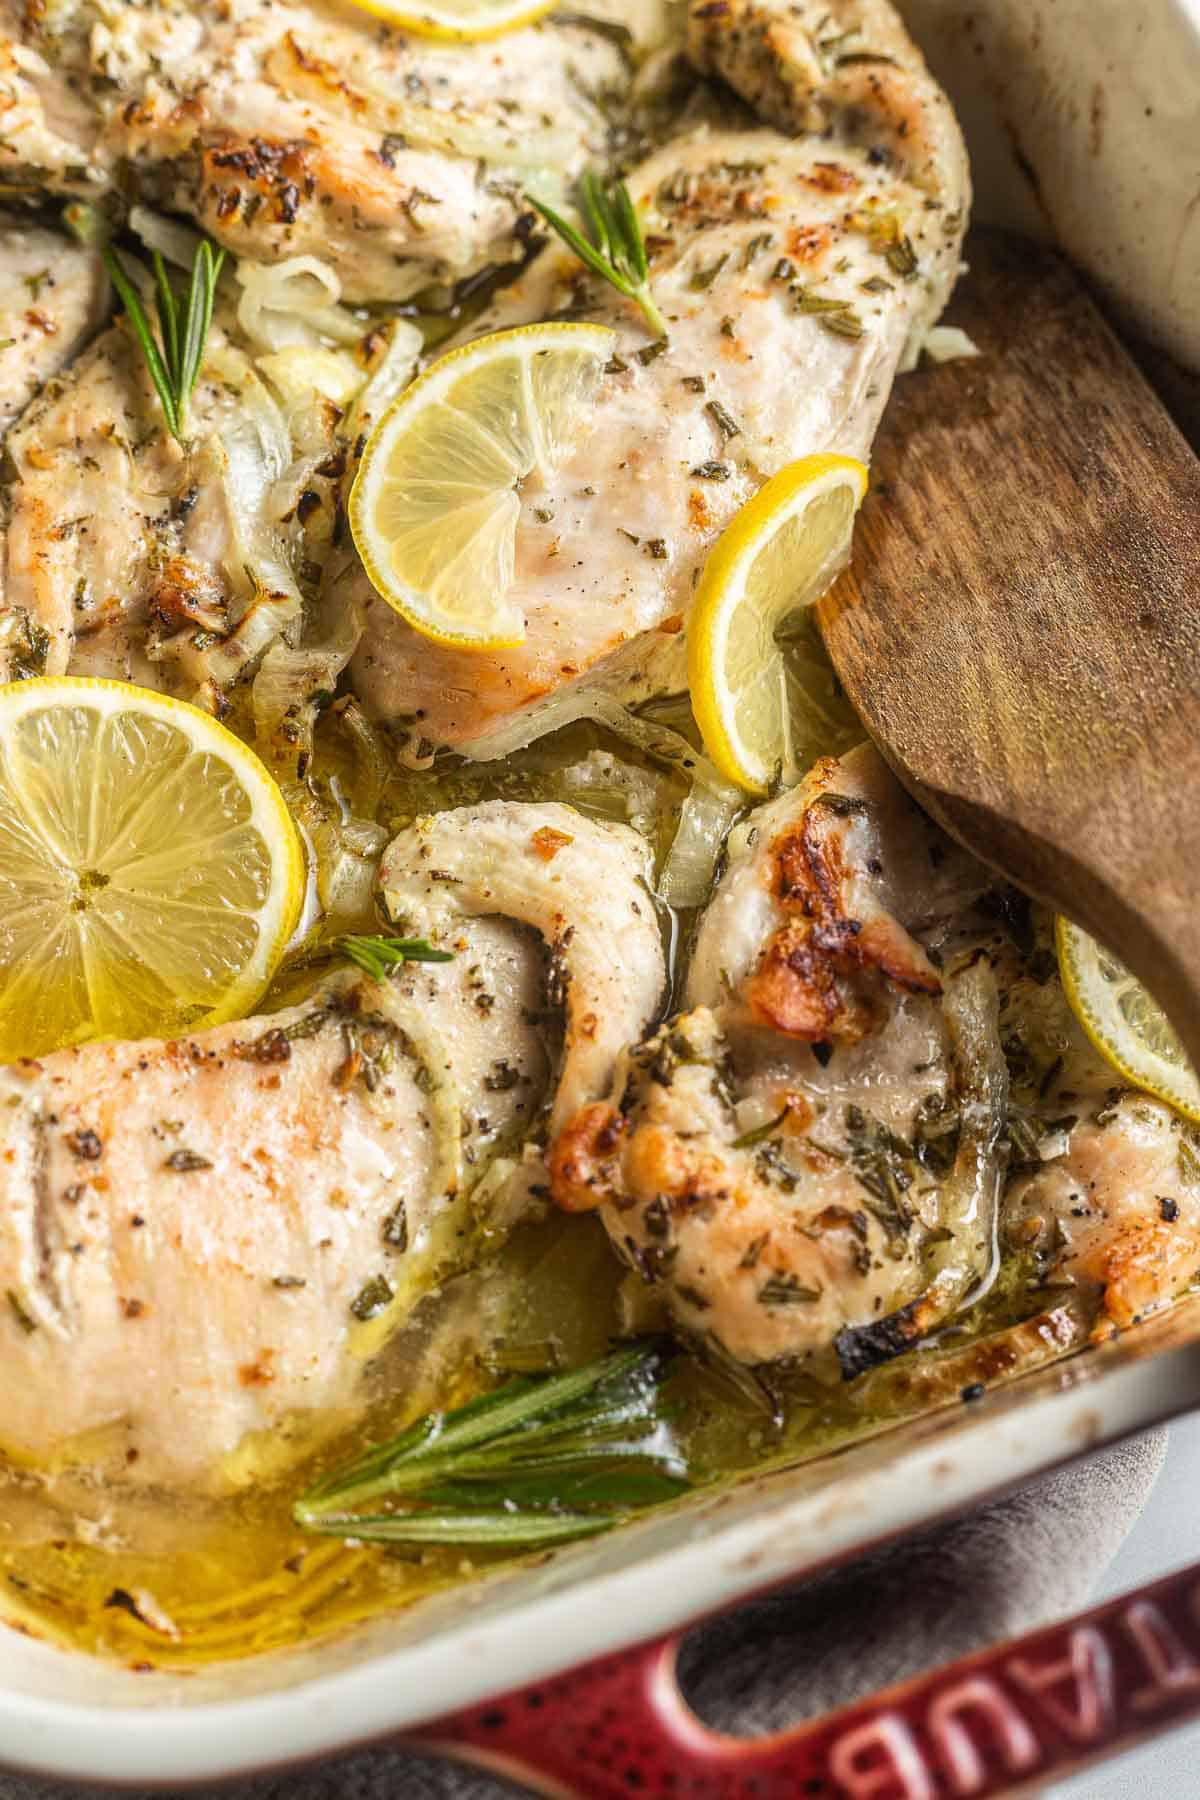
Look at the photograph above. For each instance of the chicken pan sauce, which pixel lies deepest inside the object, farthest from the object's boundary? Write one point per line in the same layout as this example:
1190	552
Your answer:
601	1127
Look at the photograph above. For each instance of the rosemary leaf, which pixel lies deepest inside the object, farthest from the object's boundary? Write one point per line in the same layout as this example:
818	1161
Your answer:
542	1458
141	329
616	249
168	319
760	1133
175	366
376	956
506	1529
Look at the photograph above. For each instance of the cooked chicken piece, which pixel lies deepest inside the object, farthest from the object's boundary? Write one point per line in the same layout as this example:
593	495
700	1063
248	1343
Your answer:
47	126
305	128
1106	1188
203	1242
583	886
130	557
792	273
805	925
194	1235
807	1157
52	298
847	68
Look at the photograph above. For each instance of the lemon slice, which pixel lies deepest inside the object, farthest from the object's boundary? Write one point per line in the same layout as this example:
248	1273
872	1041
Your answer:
459	21
780	554
435	504
1128	1028
150	876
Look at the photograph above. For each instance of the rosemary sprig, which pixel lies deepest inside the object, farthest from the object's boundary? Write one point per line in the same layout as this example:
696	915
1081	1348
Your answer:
541	1459
183	329
616	250
375	956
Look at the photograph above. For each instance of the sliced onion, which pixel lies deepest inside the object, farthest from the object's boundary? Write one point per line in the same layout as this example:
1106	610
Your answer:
347	858
938	1376
246	458
690	869
300	371
392	371
290	681
175	242
964	1260
948	343
293	302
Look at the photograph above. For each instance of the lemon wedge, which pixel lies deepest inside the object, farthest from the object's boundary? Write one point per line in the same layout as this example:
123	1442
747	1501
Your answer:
459	21
779	555
150	876
435	504
1127	1027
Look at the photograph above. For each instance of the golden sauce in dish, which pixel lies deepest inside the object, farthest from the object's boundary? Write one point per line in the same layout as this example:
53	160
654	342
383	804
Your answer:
173	1580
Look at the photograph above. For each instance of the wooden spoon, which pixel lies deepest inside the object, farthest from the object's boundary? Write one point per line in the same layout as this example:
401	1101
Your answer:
1020	626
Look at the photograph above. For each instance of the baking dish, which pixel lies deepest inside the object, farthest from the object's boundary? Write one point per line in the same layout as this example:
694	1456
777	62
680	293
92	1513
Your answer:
1082	120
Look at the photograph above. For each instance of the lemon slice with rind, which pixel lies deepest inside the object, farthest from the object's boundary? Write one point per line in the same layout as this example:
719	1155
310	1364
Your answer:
459	21
1127	1027
150	876
436	501
781	552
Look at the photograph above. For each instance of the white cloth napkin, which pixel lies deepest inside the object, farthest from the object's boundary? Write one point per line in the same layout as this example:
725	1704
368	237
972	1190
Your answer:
1006	1568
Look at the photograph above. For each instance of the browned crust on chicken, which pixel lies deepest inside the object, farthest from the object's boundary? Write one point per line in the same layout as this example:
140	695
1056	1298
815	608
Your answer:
1141	1266
810	982
584	1161
834	66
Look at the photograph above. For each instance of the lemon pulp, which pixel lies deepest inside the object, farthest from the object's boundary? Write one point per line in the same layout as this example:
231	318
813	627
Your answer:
150	876
435	503
458	21
1126	1025
778	556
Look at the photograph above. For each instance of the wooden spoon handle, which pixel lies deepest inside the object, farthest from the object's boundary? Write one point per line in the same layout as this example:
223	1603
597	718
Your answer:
1155	930
1020	626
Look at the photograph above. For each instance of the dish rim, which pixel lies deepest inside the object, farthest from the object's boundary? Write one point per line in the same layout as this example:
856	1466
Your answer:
1097	1397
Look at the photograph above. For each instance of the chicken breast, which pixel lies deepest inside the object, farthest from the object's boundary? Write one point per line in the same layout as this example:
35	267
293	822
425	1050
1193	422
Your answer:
584	887
203	1242
131	557
1105	1187
792	273
310	128
807	1157
53	296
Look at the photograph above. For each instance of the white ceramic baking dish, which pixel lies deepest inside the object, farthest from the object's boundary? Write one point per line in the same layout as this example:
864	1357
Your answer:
1084	123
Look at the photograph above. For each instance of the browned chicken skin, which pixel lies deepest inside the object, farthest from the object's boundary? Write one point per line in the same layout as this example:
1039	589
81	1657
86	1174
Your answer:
811	1157
307	128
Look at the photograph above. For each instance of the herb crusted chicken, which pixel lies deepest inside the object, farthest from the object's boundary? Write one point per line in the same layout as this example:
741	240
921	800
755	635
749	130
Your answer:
416	455
793	267
222	1229
306	129
872	1091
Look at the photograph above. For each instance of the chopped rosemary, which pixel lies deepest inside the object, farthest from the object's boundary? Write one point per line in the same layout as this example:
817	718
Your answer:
20	1311
186	1162
372	1299
787	1290
541	1459
760	1133
704	278
375	956
174	367
616	250
724	421
884	1165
